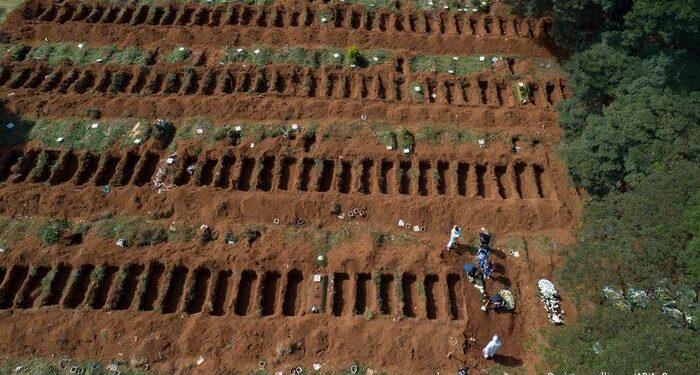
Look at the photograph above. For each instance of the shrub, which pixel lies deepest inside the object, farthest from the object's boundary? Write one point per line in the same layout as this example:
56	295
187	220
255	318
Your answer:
378	238
178	54
163	130
17	53
149	235
335	208
97	274
352	55
93	113
206	235
118	82
52	230
229	237
171	83
309	85
406	139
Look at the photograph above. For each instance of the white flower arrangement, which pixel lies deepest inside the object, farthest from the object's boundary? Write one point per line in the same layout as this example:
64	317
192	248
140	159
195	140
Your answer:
550	299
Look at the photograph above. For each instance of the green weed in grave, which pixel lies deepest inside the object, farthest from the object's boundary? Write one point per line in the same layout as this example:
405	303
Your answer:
430	134
178	54
52	229
97	274
46	283
417	91
325	17
352	55
406	140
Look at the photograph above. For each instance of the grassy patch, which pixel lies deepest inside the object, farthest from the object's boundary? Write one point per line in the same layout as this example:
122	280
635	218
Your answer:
458	65
52	229
469	6
14	230
45	366
322	240
178	54
55	53
380	238
217	2
181	232
135	231
374	4
8	6
312	58
439	134
197	128
417	91
430	134
338	132
385	135
77	134
325	18
406	140
458	136
259	132
203	129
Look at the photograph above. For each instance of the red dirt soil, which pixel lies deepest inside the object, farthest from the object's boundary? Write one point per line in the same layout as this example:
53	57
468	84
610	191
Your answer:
236	305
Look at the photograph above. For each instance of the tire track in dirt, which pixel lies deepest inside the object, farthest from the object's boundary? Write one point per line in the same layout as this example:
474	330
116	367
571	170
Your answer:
245	25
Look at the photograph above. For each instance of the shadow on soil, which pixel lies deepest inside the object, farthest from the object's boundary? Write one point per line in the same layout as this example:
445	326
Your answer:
13	129
507	360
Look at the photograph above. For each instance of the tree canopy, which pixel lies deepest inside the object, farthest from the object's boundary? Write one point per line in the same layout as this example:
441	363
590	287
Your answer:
631	139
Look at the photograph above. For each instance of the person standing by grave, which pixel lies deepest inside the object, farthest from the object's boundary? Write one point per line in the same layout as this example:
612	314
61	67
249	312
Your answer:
482	256
488	269
454	235
484	237
492	347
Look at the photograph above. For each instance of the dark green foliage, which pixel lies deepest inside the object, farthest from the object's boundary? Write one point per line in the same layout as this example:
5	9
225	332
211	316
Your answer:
352	55
93	113
52	230
637	132
18	52
636	237
229	237
118	82
631	139
690	255
378	238
163	131
150	236
172	83
406	139
643	25
643	339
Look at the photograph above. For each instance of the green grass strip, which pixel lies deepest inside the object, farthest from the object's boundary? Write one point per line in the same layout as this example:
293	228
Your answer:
7	6
76	134
458	65
315	58
76	53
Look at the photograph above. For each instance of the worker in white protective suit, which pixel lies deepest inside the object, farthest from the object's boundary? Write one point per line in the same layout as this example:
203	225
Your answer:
492	347
454	235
